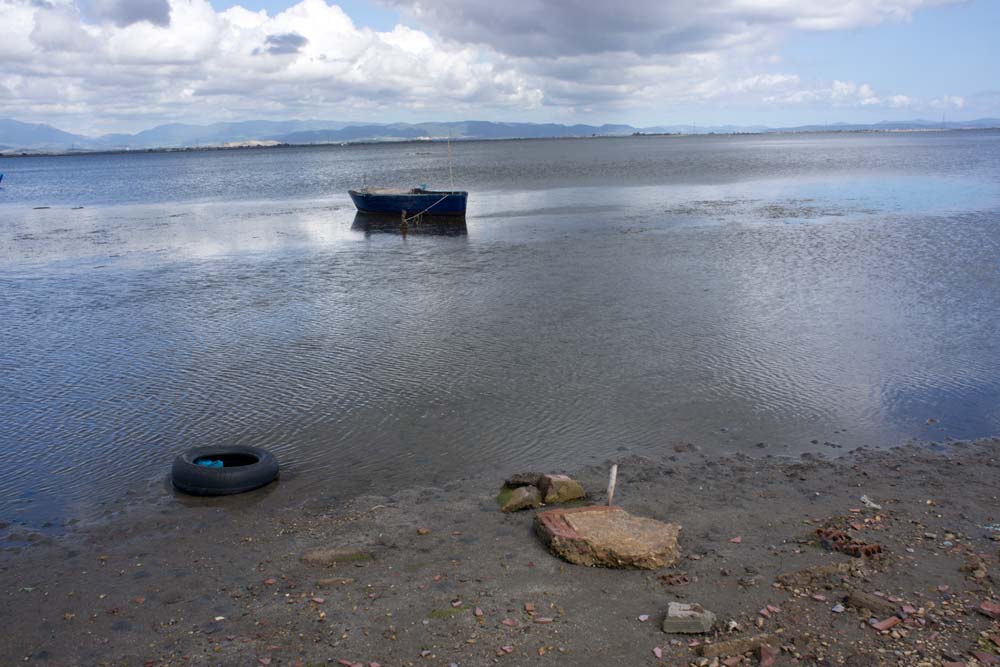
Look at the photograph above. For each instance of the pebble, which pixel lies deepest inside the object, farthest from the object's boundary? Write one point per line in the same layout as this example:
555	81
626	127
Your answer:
838	608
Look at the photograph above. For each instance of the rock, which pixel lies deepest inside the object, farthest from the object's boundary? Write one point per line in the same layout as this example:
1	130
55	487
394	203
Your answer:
559	489
768	654
520	498
737	646
975	567
600	536
330	557
886	624
862	600
683	618
523	479
989	608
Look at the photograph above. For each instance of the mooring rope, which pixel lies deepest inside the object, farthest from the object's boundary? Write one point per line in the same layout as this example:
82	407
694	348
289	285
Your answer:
412	217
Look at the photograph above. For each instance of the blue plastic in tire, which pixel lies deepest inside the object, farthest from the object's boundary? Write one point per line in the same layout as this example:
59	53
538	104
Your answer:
244	469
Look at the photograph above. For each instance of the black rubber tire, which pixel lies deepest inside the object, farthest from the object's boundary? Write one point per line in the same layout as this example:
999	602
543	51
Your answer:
199	480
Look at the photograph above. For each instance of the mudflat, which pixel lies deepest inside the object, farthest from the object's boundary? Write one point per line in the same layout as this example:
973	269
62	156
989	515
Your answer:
438	576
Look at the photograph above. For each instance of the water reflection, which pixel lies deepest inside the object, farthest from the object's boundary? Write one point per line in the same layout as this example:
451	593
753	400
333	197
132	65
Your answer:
574	321
424	225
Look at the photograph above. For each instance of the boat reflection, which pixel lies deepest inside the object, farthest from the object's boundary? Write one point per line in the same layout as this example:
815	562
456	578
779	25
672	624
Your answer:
424	225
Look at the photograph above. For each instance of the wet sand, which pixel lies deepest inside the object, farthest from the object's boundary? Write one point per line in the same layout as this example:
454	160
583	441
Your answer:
220	581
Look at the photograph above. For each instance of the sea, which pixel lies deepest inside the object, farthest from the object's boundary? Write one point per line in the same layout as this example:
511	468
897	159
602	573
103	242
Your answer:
605	298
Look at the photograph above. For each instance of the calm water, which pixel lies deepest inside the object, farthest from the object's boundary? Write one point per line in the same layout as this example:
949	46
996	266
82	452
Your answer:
604	294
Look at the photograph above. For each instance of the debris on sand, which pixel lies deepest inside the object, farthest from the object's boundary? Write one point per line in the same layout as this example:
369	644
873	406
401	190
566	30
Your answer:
330	557
684	618
601	536
737	646
838	540
818	575
675	579
869	503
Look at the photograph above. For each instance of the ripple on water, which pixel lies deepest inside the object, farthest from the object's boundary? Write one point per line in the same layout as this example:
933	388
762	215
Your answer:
537	340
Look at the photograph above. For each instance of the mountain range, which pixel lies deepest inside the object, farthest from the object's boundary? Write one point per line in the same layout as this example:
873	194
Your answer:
19	137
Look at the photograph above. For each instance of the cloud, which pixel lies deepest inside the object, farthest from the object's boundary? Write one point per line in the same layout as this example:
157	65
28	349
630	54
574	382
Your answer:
284	44
838	94
206	65
948	102
541	28
126	12
58	28
580	53
150	61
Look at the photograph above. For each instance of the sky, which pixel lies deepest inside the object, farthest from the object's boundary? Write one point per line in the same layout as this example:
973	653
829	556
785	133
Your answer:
100	66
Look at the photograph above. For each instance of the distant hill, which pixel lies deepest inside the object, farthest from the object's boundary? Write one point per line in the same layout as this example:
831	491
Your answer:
712	129
16	136
355	133
911	125
461	130
178	135
36	135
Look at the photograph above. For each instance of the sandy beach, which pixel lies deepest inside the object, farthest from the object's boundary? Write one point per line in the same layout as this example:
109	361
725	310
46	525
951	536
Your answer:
438	576
539	334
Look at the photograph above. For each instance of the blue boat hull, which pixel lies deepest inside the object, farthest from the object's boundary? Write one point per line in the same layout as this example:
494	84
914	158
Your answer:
451	202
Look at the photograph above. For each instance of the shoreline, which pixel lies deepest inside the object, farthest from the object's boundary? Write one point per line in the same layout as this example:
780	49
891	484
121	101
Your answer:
220	582
16	153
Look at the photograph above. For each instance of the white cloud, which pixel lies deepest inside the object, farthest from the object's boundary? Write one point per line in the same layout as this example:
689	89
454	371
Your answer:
308	60
838	94
948	102
105	64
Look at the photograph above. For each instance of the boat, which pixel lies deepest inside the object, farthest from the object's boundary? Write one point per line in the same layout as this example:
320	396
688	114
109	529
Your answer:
412	202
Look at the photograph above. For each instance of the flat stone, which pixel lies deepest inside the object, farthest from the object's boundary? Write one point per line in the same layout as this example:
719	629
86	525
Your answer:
330	557
559	489
737	646
862	600
683	618
600	536
521	498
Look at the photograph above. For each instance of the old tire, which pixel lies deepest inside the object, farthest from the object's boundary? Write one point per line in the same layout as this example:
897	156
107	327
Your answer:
245	469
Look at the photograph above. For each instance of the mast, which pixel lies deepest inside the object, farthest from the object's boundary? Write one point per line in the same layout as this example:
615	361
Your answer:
451	175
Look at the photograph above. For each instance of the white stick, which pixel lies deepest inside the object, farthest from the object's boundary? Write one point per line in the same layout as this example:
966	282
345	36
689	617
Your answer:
612	480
